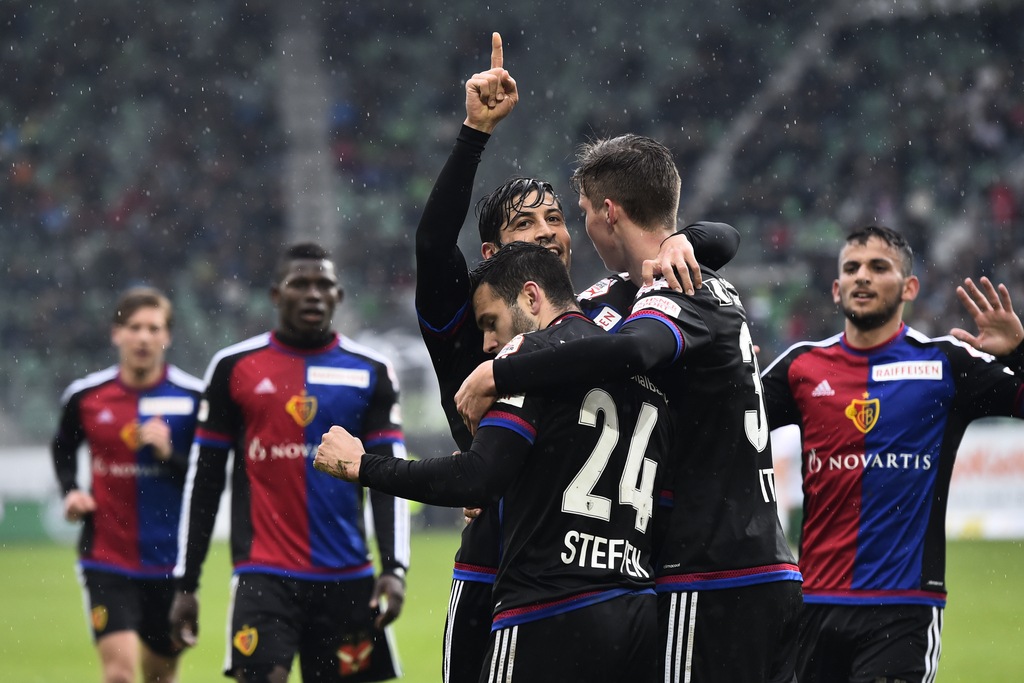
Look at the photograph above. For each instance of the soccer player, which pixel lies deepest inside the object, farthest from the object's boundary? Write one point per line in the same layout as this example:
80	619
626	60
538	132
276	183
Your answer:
576	471
138	418
303	579
521	209
728	586
882	410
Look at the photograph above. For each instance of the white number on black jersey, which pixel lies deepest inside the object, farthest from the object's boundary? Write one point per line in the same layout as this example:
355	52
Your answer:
578	498
755	422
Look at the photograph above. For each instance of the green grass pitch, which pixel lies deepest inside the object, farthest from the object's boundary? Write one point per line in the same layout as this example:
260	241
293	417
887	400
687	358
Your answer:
43	636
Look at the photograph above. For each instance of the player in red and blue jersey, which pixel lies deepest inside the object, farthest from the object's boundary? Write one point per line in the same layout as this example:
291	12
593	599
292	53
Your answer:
882	410
137	418
521	209
303	579
728	586
576	471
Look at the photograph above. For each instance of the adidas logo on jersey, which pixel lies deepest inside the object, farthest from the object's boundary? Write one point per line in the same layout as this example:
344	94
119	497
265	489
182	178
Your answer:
105	417
265	387
823	389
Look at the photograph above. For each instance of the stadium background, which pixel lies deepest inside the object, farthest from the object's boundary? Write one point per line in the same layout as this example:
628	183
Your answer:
181	144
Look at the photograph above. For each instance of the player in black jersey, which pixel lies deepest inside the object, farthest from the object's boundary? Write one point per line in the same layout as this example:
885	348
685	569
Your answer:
728	586
576	471
522	209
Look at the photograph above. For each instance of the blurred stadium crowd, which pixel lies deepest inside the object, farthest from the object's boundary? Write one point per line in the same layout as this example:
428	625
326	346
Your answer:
141	142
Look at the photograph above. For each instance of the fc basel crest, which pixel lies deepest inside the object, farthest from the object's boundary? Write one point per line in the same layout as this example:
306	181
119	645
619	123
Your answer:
245	640
864	413
99	618
130	435
354	657
302	408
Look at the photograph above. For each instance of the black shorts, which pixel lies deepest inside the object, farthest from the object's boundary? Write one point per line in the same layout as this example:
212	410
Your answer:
610	641
328	623
741	635
862	643
467	631
115	602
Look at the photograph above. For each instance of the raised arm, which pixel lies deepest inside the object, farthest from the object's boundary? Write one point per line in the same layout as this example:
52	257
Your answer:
999	329
442	276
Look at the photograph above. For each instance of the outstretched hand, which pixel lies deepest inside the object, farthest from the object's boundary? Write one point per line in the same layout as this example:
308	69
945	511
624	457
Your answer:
490	95
999	329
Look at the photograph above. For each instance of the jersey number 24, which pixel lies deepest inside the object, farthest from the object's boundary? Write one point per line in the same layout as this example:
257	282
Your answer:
579	499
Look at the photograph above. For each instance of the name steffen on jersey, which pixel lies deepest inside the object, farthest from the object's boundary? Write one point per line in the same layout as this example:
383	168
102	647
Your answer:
604	553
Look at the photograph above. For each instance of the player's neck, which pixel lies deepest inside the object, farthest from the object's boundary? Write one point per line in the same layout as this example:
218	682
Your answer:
866	339
141	378
642	245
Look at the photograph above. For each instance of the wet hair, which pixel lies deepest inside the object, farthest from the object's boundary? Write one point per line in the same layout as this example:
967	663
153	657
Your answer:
517	263
634	171
498	208
141	297
890	237
298	252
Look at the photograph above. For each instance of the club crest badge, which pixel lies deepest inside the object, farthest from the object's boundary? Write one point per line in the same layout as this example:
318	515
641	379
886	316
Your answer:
130	435
354	657
245	640
302	408
99	618
863	413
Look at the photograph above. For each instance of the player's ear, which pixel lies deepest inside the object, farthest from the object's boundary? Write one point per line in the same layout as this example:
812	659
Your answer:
836	298
489	249
611	212
275	294
533	296
911	288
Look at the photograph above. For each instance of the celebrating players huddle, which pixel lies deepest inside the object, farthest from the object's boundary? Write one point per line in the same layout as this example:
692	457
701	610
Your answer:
614	444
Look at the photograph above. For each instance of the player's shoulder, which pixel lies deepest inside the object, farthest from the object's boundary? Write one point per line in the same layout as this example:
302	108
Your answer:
800	348
184	380
230	354
947	344
617	283
371	357
89	382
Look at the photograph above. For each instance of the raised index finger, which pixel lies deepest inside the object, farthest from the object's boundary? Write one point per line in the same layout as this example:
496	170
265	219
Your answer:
497	56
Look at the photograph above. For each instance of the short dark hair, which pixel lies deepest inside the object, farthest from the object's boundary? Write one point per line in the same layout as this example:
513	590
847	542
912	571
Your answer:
500	206
634	171
297	252
517	263
889	236
142	297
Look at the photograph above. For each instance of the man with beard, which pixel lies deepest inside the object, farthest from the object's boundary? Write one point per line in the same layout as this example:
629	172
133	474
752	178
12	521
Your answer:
576	471
882	410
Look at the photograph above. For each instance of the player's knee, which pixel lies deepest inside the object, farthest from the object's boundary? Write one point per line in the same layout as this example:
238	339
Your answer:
118	673
262	673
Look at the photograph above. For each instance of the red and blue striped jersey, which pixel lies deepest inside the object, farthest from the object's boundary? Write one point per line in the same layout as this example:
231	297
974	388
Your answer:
271	404
138	496
880	429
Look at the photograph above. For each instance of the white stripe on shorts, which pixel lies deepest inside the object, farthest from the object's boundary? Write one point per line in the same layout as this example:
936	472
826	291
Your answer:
680	637
931	655
453	607
504	658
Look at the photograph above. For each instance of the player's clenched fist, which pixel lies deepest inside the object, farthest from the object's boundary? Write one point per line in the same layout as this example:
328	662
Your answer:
490	95
339	455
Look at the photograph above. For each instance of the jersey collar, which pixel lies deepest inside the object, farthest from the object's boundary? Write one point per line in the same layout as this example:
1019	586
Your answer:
902	332
276	342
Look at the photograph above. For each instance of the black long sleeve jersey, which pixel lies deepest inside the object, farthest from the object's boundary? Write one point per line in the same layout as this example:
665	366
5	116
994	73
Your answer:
577	472
446	319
